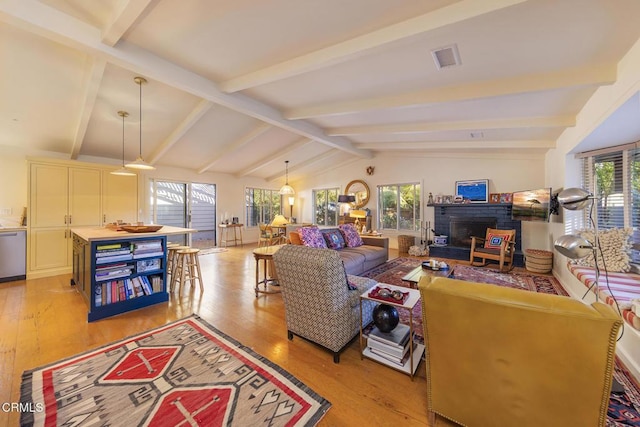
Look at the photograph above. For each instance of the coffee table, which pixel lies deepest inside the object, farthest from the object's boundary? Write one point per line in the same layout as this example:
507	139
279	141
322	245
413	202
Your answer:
414	276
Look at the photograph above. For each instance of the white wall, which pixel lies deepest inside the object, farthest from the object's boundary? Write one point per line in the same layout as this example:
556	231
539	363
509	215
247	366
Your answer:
437	173
13	185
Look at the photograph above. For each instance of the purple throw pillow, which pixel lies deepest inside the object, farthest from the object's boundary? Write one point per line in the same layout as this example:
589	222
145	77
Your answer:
334	238
351	235
312	237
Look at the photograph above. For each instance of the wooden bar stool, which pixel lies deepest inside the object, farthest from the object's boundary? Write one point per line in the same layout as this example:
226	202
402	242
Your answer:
188	268
172	262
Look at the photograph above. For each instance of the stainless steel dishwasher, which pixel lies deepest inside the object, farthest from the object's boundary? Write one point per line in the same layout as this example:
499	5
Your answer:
13	255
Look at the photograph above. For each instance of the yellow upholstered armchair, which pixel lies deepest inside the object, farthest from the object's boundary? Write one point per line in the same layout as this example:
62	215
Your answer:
498	356
497	245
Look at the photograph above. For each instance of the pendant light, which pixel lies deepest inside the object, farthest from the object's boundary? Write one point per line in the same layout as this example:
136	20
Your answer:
286	189
139	163
123	171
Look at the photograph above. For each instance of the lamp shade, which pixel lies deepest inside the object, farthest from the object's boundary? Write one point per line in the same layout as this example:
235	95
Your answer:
346	198
358	213
573	246
574	199
279	220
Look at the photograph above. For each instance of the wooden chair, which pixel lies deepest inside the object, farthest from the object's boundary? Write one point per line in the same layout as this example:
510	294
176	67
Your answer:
497	245
268	236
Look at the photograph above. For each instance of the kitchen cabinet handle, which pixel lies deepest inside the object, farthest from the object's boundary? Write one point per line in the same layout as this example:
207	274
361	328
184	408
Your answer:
69	219
8	234
65	220
104	218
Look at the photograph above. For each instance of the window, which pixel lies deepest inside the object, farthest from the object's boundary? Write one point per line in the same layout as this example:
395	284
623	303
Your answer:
399	206
616	175
261	205
325	206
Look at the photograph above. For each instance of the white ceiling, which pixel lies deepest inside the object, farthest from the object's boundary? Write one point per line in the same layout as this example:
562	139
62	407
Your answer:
241	86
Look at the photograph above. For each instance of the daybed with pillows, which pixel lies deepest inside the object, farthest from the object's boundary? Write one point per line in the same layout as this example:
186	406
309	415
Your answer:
358	253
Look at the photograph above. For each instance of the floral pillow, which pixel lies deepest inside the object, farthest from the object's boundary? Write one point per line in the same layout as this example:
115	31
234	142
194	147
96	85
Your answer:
494	241
334	238
312	237
351	236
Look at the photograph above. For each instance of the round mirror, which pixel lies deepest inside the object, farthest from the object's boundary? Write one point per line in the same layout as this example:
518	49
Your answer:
360	190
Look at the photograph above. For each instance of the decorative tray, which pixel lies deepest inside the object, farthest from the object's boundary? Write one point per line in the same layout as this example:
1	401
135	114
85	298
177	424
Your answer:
140	228
439	266
386	294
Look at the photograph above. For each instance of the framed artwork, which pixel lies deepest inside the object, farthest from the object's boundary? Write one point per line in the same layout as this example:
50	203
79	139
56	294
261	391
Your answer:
494	198
475	191
506	197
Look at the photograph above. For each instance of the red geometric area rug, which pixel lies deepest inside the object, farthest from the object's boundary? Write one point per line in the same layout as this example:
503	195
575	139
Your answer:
185	373
624	408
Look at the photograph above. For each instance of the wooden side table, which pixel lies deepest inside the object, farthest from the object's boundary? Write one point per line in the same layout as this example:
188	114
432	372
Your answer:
265	254
414	276
225	229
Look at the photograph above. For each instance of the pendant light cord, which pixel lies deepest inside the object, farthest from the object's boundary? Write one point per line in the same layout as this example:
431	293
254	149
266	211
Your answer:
123	139
140	84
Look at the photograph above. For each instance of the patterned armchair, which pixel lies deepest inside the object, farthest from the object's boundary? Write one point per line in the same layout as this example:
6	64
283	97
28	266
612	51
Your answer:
319	306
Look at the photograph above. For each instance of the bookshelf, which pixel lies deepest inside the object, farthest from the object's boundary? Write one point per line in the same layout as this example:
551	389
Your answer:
117	272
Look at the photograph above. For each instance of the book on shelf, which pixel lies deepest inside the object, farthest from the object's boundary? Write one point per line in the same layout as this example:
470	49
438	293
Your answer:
156	283
398	337
147	245
137	255
107	259
146	286
112	252
109	246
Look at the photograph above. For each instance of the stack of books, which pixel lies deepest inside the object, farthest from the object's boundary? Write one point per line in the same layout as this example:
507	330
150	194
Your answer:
113	252
392	346
147	248
113	271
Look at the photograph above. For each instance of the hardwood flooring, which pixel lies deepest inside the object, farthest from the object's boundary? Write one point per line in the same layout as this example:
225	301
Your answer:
45	320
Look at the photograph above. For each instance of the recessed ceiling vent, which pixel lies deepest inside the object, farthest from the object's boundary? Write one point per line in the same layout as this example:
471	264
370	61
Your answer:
446	57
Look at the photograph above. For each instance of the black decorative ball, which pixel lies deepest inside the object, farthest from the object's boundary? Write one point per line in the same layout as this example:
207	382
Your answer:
385	317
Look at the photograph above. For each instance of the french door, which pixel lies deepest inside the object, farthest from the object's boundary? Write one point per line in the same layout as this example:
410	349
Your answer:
189	205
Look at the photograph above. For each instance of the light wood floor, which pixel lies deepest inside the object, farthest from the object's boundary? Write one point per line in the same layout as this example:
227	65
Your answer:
44	320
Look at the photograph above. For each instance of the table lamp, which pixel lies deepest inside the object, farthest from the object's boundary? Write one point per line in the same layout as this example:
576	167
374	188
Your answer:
358	214
279	221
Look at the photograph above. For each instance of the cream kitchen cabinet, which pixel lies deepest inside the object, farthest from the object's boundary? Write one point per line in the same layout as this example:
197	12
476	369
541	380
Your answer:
71	194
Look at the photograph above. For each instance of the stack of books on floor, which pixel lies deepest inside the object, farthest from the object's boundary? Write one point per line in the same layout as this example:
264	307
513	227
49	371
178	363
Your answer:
392	346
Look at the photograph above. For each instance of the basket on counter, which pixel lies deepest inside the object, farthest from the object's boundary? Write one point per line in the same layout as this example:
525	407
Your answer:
538	260
405	242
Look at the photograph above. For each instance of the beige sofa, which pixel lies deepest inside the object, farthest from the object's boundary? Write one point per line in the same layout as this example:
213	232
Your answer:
374	252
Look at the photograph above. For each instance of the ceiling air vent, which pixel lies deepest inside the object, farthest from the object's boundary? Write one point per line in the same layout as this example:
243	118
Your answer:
446	57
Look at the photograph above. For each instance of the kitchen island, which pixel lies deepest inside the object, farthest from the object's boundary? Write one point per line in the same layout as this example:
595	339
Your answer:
118	271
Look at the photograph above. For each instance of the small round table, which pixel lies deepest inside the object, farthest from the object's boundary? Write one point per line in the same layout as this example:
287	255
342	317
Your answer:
269	277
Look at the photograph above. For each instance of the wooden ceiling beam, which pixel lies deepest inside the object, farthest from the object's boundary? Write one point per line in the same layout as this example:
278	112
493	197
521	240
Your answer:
277	156
236	145
127	13
38	18
415	128
458	145
192	118
343	51
518	85
91	87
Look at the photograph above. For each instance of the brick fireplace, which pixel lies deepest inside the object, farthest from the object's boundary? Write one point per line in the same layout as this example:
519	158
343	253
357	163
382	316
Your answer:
461	221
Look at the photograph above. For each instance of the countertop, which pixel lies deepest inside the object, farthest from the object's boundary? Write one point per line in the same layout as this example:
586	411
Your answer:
101	233
10	229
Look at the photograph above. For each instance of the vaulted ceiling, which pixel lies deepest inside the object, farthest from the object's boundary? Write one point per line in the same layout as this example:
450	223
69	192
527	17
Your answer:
240	86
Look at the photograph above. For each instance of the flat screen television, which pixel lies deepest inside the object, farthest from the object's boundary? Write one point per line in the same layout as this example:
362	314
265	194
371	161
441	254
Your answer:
531	205
474	191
